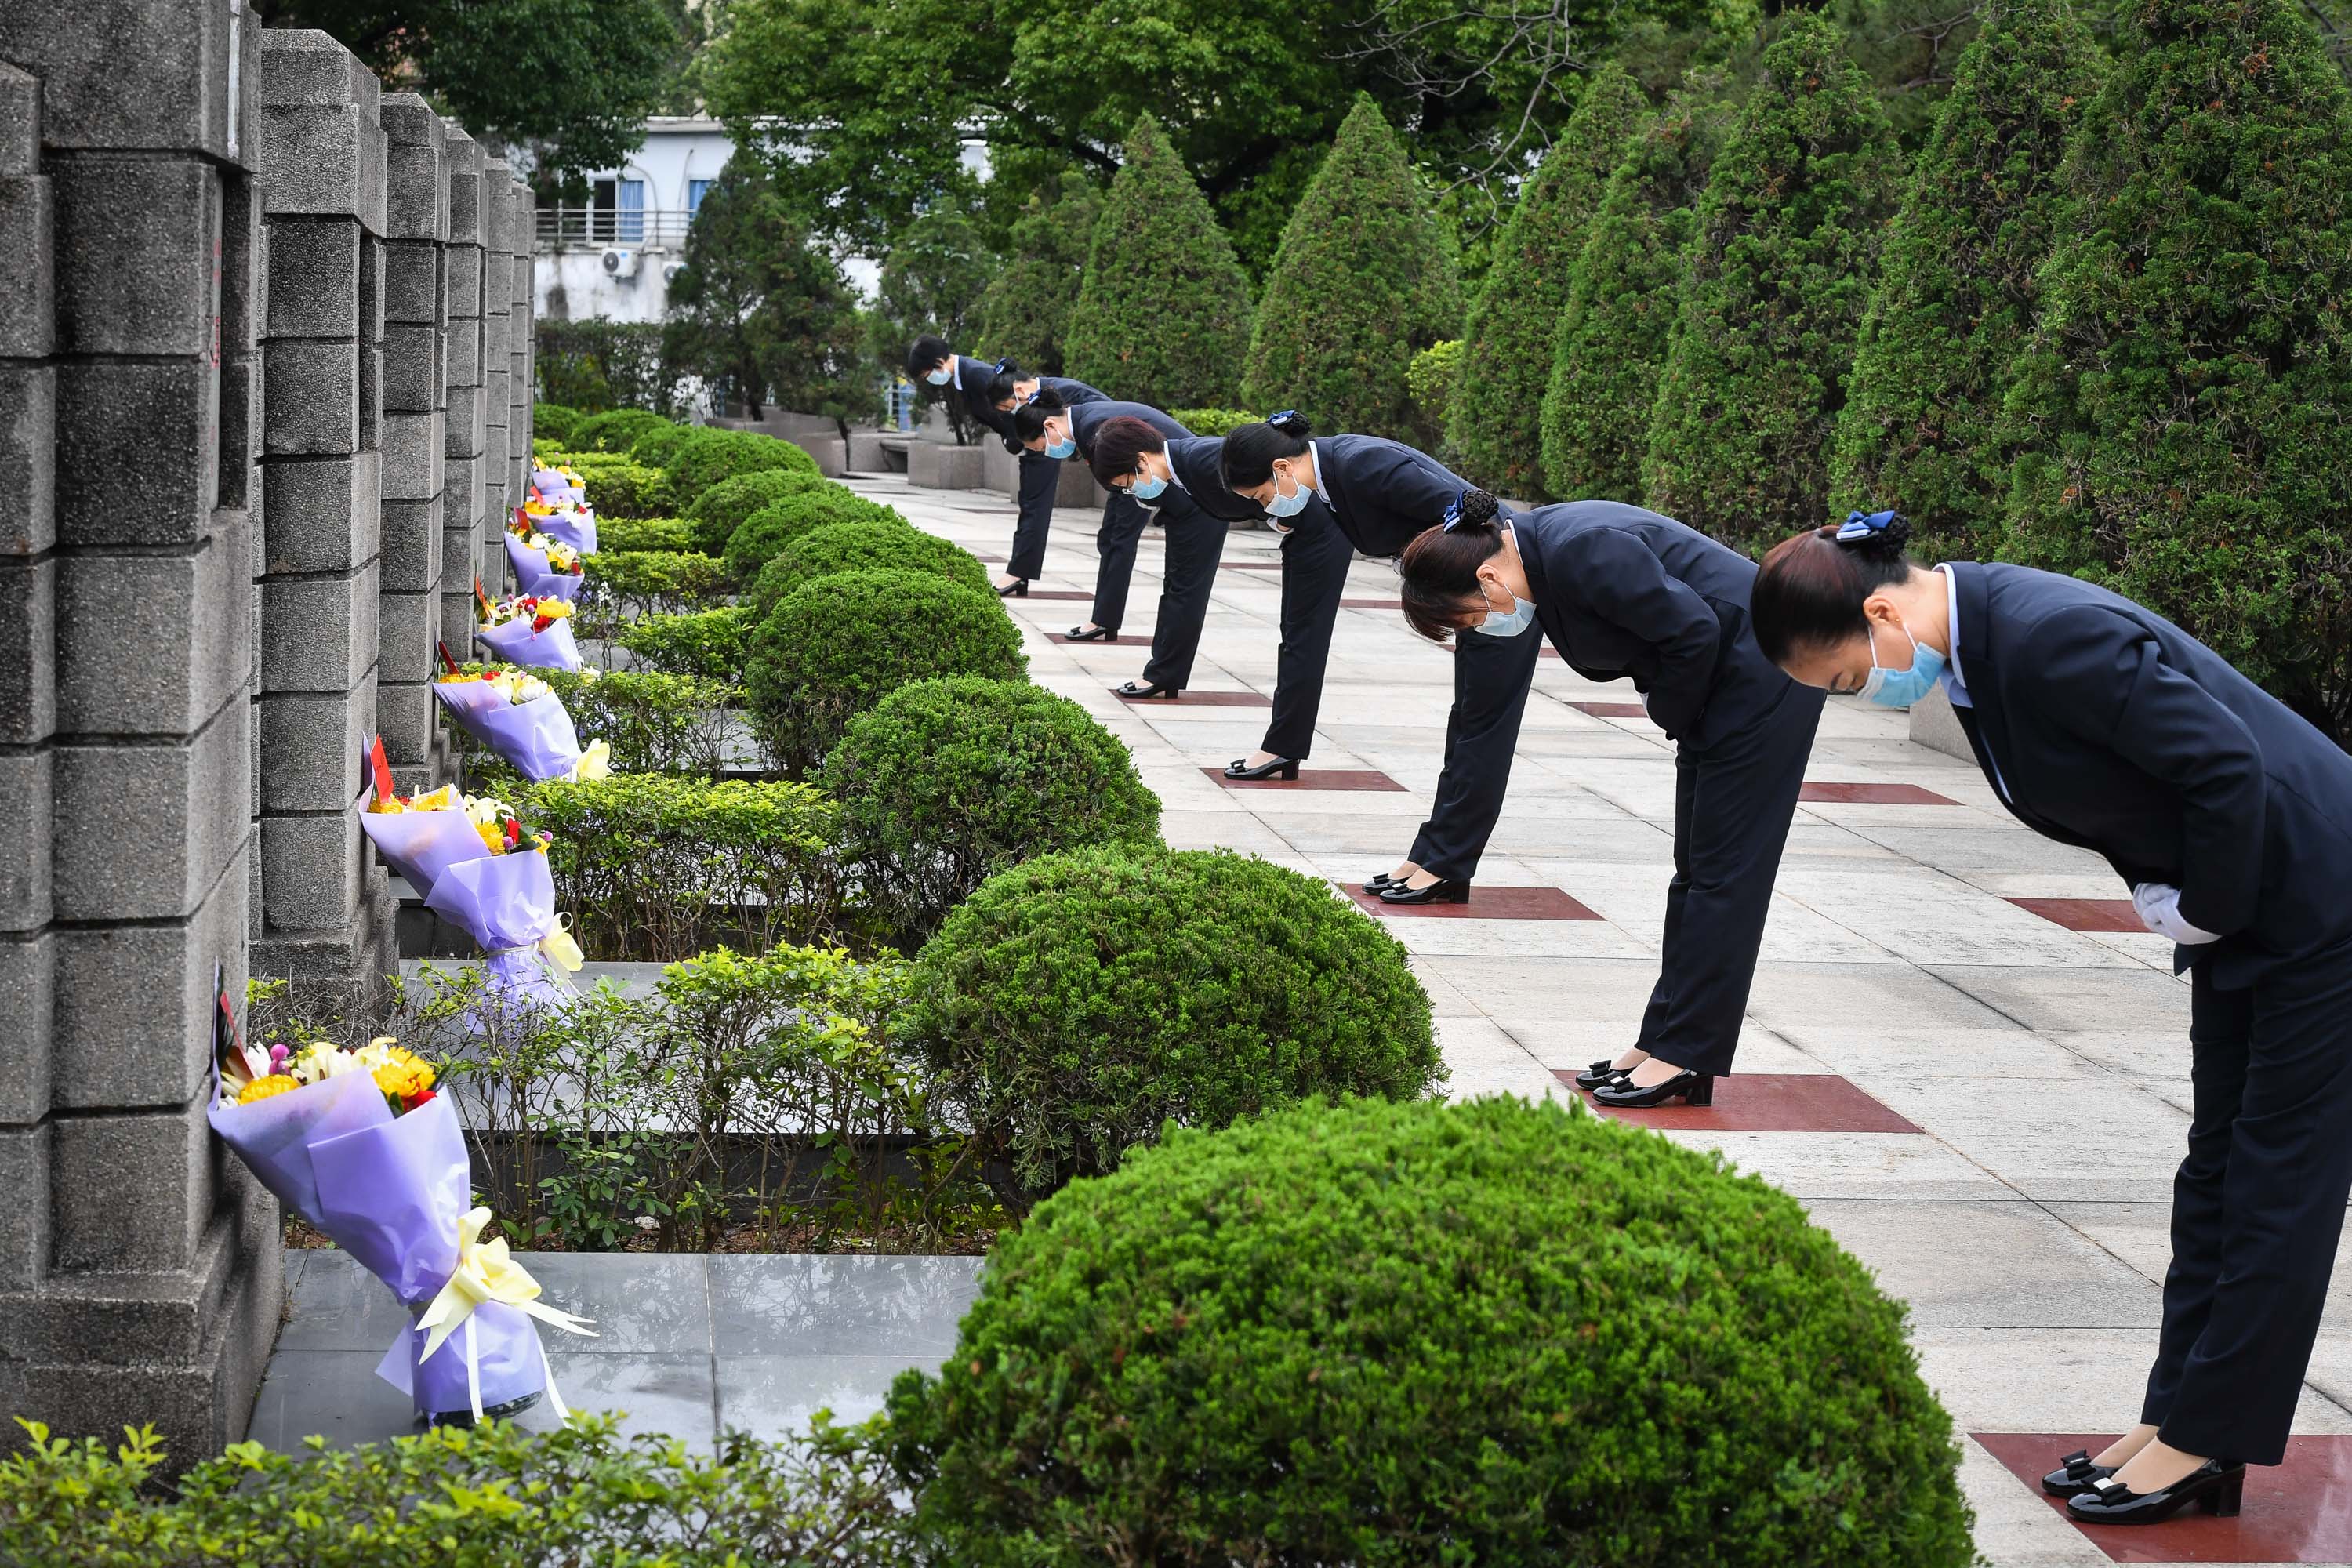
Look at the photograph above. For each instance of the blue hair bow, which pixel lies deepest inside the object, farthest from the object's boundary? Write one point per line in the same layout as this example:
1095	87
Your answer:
1279	416
1861	525
1454	513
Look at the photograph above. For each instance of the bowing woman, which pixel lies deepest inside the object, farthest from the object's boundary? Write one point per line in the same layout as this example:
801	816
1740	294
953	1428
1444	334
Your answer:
2102	724
1177	475
1061	427
1378	496
968	382
1623	592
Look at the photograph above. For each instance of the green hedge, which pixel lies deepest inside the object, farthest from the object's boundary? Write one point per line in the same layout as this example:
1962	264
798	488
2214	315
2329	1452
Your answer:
655	722
656	447
1076	1001
946	782
766	531
553	422
717	512
621	489
862	547
713	644
835	646
626	586
616	430
623	534
1430	378
657	868
711	456
488	1498
1400	1335
1211	421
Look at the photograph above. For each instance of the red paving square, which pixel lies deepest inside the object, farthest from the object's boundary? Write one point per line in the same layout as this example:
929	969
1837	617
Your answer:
1766	1102
1252	565
2085	914
2300	1511
988	560
1065	595
1486	904
1122	640
1371	604
1610	710
1203	700
1316	778
1873	794
1550	652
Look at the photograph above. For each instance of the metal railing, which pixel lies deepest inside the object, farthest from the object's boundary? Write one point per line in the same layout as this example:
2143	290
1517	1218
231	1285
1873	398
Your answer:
593	228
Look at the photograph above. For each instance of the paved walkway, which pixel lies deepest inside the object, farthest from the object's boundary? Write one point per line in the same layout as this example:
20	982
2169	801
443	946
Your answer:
1982	1104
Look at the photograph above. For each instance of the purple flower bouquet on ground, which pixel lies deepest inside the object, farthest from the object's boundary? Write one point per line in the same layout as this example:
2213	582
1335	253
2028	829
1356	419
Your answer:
576	528
507	904
519	640
534	736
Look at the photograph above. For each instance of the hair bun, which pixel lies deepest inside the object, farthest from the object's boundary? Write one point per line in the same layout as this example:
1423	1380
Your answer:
1872	533
1291	423
1473	509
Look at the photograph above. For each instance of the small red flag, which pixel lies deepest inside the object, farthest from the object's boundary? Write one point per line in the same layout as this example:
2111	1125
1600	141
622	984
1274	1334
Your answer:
381	766
482	599
446	662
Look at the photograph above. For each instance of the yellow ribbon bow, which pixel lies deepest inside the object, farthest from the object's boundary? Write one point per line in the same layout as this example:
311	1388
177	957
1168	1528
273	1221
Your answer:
595	763
561	949
485	1273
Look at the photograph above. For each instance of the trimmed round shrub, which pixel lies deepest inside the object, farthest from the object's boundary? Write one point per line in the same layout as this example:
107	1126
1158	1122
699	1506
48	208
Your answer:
946	782
766	531
656	447
717	512
892	546
553	422
833	648
710	456
614	430
1074	1002
1396	1335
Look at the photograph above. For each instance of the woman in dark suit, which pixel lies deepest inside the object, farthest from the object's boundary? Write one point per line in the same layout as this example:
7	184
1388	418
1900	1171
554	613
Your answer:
1623	592
1376	496
1046	422
1156	463
969	384
2102	724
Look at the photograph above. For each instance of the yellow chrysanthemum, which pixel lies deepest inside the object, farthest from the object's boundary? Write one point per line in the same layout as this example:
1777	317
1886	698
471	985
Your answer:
263	1088
493	836
403	1077
386	805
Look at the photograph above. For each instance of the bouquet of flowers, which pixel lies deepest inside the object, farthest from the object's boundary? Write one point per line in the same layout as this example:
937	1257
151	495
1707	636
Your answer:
562	514
359	1143
422	835
528	629
506	904
521	718
545	566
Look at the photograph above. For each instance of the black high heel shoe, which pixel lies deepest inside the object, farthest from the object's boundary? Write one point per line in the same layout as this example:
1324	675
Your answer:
1129	689
2076	1475
1690	1088
1100	633
1020	589
2217	1486
1284	768
1605	1070
1379	880
1445	891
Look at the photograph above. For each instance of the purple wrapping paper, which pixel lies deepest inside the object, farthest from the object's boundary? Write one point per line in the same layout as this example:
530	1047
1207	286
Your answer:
530	566
390	1190
578	530
564	585
506	904
552	484
421	845
536	737
466	697
516	643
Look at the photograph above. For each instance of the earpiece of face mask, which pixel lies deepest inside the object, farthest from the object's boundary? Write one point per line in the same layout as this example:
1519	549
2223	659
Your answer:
1901	687
938	377
1147	487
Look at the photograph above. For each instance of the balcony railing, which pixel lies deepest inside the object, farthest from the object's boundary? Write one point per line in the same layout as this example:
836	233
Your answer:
593	228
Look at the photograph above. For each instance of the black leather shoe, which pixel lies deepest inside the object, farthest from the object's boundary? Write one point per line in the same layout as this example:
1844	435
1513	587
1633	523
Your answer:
1100	633
1129	689
1690	1088
1379	880
1020	590
2216	1486
1605	1070
2076	1474
1280	768
1445	891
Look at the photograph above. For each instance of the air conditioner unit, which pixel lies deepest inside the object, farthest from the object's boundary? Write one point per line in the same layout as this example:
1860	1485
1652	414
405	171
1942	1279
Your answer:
620	262
671	271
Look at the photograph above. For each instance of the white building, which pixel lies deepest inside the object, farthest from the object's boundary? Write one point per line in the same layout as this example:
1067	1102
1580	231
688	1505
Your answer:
615	255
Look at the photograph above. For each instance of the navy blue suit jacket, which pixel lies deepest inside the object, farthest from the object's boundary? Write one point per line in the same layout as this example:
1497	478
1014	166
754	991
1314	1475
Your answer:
1199	462
2104	725
1382	492
1624	592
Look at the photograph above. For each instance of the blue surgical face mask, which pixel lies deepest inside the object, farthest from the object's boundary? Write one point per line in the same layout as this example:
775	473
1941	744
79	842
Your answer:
1522	615
938	377
1145	487
1061	448
1289	505
1901	687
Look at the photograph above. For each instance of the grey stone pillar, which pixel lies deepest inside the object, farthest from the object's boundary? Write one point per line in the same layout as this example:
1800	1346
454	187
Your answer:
523	234
465	479
325	915
498	369
415	438
140	1272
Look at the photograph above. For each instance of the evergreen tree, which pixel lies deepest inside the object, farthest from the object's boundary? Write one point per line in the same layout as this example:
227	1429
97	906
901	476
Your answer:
1363	282
1492	418
1024	312
2183	406
1956	297
931	283
1778	277
1621	298
1163	312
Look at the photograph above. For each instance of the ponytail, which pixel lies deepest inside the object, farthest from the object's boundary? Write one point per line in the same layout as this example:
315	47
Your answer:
1251	450
1029	419
1809	592
1440	569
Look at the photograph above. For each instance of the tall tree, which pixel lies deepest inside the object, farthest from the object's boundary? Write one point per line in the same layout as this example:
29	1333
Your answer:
1163	312
1622	296
1922	431
1025	310
1492	425
1364	281
2184	403
1779	274
932	281
758	313
568	83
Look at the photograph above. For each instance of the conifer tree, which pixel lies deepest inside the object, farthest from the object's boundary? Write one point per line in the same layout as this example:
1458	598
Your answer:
1956	296
1621	299
1025	312
2181	411
1779	274
1164	312
1492	420
1363	281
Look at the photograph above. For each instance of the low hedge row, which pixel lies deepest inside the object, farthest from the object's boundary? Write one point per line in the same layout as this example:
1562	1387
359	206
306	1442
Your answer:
623	534
625	585
614	430
554	424
655	722
713	644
